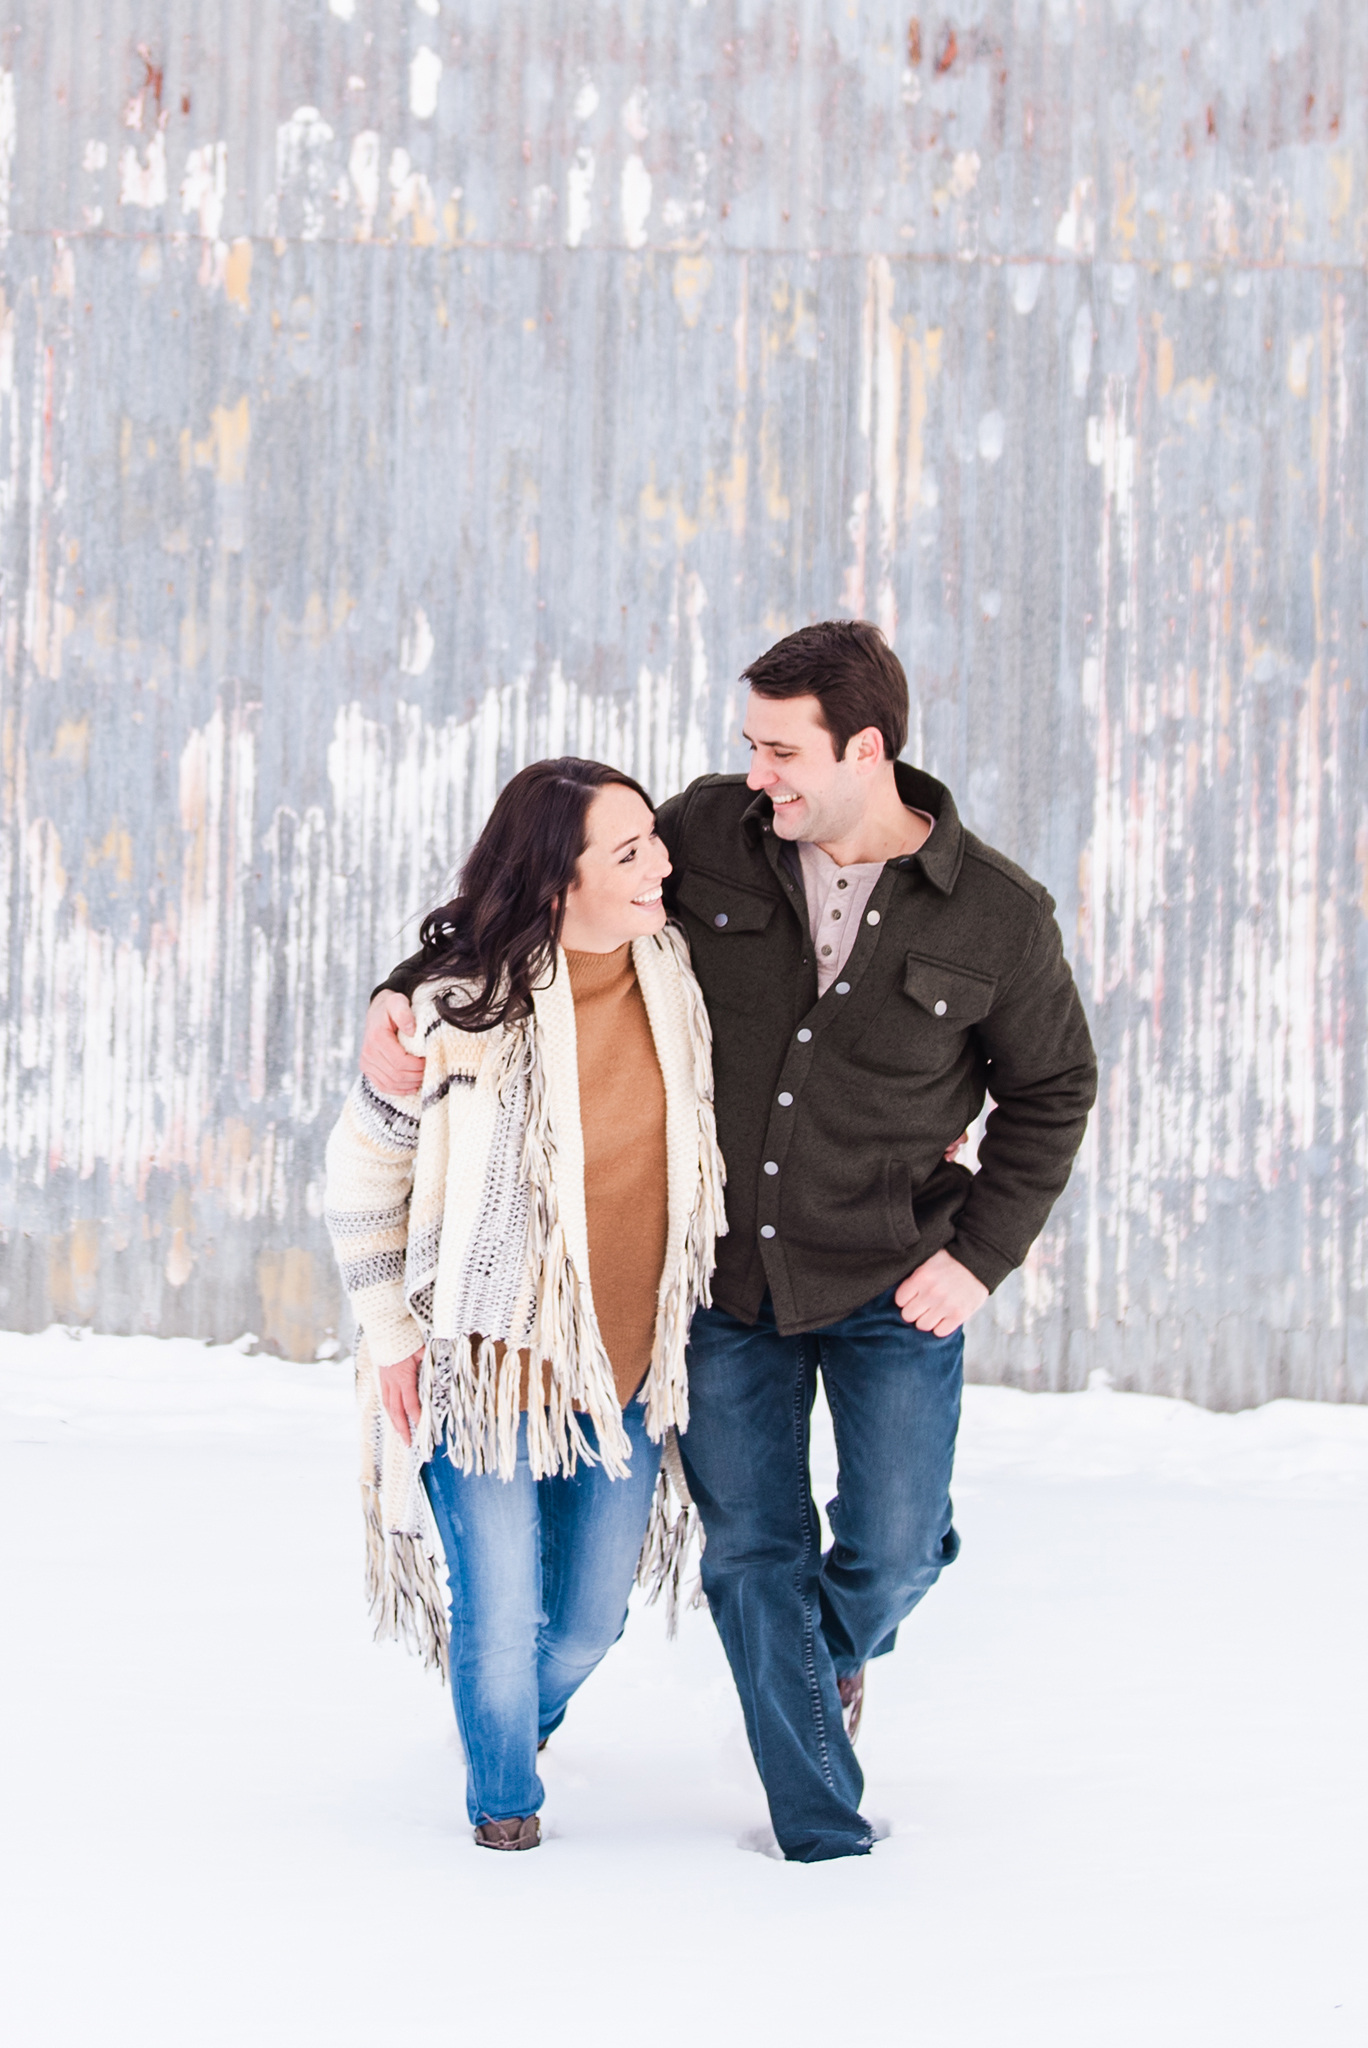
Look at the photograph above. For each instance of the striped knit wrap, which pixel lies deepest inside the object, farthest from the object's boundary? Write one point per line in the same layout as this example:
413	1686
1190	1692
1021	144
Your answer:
459	1221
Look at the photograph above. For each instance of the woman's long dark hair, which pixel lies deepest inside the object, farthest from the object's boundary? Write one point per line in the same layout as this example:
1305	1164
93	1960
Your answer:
503	925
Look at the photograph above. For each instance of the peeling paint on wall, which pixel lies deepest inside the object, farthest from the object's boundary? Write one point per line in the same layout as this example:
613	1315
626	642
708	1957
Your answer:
390	395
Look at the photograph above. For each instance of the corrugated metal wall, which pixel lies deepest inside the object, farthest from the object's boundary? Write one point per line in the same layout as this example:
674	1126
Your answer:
391	393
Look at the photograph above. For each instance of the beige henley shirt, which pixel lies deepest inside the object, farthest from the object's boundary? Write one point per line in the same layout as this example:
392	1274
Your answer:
836	902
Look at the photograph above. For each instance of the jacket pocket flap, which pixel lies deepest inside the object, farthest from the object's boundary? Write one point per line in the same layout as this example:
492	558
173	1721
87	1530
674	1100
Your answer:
727	906
957	994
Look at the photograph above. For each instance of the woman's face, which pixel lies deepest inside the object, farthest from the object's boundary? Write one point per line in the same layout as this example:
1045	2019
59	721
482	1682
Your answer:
615	895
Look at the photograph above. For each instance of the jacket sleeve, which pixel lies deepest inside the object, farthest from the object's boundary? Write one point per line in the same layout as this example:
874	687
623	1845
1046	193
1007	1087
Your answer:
1042	1076
370	1160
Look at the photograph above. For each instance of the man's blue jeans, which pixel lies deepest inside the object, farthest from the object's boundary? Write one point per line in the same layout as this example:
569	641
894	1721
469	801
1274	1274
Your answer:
791	1620
540	1571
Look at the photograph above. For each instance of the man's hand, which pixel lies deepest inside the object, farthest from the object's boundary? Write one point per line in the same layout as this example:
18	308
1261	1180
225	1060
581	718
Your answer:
399	1392
384	1062
940	1295
952	1152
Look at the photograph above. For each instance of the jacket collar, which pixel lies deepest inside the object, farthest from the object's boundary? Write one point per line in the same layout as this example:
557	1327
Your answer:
941	857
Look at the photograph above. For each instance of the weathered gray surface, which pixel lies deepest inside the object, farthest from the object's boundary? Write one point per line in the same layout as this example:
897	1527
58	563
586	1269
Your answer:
370	424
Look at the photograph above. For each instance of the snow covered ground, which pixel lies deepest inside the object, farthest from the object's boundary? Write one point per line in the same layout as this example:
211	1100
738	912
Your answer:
1121	1748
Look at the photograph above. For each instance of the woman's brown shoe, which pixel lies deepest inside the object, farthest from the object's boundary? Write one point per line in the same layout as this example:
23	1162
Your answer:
509	1834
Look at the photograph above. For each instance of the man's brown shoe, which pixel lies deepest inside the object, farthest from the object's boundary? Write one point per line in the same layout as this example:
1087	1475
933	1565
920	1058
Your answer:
851	1690
509	1834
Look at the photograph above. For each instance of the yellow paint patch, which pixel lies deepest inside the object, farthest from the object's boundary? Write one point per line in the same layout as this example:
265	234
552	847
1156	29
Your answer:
194	641
1192	400
1163	366
690	281
1182	277
1124	222
73	1271
916	420
224	447
935	339
1299	365
289	1315
117	848
237	273
771	467
72	743
1341	183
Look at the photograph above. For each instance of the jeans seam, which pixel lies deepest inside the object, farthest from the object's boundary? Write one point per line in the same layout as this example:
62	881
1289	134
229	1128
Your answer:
809	1611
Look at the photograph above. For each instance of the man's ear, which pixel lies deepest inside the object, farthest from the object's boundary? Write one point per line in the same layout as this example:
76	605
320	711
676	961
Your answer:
865	750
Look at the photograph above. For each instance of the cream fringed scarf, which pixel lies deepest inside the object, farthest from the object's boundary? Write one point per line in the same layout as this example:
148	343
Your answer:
459	1215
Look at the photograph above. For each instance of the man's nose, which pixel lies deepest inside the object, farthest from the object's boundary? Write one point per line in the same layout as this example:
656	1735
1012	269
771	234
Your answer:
760	777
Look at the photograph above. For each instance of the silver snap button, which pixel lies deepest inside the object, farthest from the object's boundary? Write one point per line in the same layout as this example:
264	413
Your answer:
721	918
785	1099
940	1009
873	917
766	1230
804	1036
843	988
771	1166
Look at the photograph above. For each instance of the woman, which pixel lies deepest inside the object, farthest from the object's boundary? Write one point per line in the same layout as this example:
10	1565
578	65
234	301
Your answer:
552	1193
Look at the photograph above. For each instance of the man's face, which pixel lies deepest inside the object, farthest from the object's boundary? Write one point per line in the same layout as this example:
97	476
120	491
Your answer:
793	760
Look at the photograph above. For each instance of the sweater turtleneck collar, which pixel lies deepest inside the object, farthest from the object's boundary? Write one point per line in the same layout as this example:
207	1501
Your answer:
591	972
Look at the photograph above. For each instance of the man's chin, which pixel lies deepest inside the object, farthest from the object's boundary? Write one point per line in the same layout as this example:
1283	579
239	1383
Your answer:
788	818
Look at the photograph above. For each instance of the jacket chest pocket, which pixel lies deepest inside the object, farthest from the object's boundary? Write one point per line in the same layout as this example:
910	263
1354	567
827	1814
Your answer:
727	924
922	1025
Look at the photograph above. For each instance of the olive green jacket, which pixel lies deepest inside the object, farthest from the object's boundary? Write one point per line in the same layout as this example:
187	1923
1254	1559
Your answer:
834	1113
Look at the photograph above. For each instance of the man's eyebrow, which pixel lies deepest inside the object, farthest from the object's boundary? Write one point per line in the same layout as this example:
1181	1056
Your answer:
764	742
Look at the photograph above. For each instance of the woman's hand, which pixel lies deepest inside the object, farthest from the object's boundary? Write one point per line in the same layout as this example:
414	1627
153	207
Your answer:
399	1392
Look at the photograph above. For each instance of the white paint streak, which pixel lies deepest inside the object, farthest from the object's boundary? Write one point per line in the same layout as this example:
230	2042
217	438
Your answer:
425	77
363	170
416	648
303	169
636	202
579	185
8	132
142	182
1080	349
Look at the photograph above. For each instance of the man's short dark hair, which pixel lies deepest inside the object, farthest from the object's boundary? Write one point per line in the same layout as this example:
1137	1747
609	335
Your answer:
848	666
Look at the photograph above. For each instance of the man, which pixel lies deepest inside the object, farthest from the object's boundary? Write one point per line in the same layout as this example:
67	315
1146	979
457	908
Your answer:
871	969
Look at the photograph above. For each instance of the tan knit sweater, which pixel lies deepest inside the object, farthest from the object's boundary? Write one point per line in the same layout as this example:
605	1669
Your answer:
622	1112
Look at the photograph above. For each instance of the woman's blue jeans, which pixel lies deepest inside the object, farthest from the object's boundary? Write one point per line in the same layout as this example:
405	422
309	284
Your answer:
540	1571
